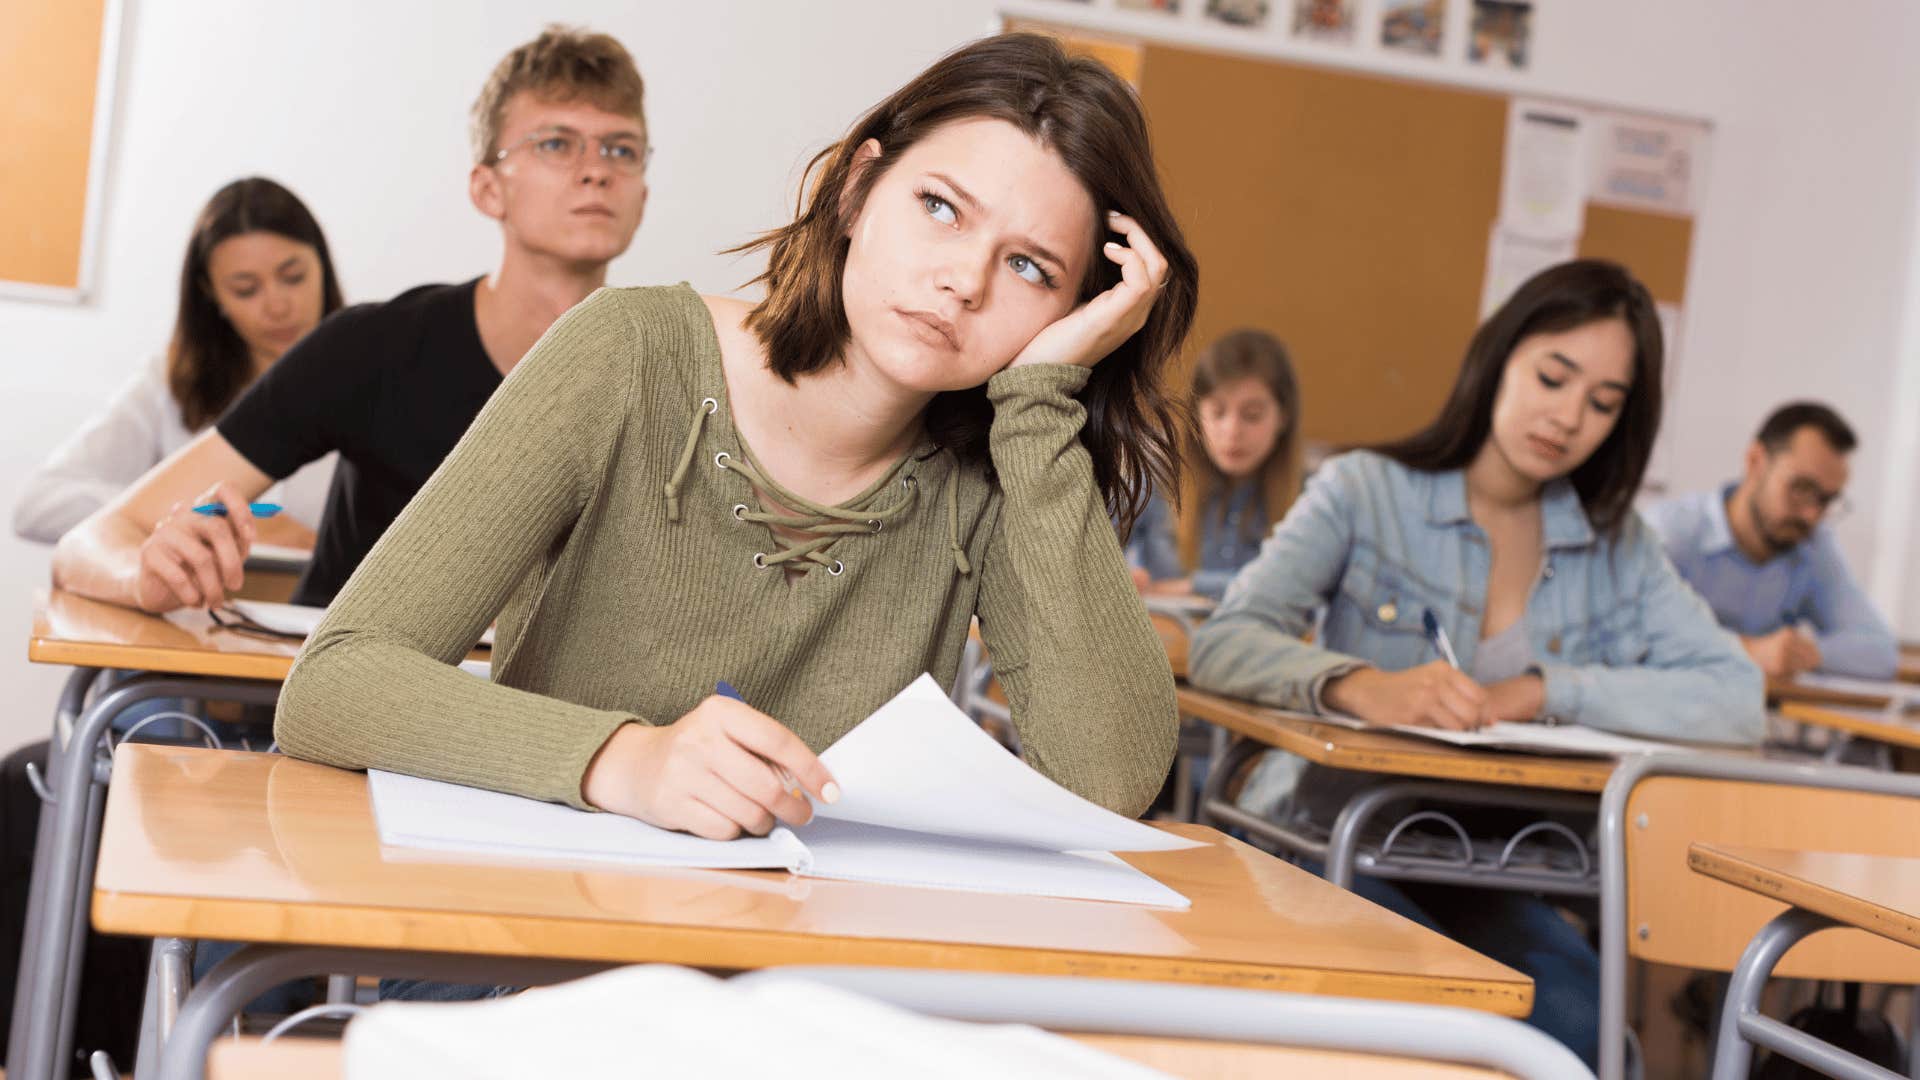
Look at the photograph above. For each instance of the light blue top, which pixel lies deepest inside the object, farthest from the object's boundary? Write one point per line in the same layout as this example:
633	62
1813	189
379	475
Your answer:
1808	584
1620	641
1224	549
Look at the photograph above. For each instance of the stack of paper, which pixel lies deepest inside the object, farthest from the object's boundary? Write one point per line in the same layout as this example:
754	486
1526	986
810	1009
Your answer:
297	620
1568	739
927	799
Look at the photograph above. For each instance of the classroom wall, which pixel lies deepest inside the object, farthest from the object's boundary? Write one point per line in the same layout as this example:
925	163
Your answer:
1802	259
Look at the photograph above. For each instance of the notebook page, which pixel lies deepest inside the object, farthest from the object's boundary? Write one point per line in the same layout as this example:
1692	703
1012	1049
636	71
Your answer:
917	763
853	851
1905	695
300	619
1539	738
416	813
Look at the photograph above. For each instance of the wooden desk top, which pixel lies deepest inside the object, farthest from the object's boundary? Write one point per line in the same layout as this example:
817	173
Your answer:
1385	752
1174	637
295	1058
1909	664
1877	893
1895	730
71	629
264	848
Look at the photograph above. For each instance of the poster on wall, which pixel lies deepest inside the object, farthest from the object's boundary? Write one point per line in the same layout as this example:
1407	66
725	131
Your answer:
1544	176
1644	163
1249	13
1501	33
1323	20
1414	26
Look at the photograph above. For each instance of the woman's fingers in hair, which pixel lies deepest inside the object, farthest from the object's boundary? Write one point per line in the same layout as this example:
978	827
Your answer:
1150	261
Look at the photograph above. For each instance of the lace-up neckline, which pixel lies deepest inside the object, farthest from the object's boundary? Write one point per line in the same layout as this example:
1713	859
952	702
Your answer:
826	524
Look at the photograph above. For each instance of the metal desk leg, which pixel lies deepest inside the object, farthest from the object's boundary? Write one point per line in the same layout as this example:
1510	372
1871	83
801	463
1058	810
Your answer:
1742	1027
72	702
253	969
63	915
169	978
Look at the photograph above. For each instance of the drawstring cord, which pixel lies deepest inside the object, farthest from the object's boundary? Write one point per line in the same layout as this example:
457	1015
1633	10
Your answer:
828	523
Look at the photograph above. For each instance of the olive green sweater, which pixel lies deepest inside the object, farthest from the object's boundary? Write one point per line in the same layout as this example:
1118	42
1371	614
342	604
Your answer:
594	509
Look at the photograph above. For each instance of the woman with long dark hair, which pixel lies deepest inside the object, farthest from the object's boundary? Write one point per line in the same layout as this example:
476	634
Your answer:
1509	519
1242	470
948	387
256	277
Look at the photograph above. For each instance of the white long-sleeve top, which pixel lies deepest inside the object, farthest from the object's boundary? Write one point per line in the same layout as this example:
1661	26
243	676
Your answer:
137	430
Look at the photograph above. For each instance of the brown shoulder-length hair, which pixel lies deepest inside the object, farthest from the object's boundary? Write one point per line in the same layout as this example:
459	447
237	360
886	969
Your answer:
1556	299
1241	354
207	363
1092	120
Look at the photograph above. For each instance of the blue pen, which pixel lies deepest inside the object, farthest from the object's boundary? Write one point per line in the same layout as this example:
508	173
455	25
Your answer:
1438	635
725	689
259	510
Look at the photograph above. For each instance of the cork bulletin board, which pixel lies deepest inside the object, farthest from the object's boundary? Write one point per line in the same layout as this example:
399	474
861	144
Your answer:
57	63
1349	214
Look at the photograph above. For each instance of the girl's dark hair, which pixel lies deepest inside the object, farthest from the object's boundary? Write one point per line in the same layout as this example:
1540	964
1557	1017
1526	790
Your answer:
207	363
1092	120
1241	354
1556	299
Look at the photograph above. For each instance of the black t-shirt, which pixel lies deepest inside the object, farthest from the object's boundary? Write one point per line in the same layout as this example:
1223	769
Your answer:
390	386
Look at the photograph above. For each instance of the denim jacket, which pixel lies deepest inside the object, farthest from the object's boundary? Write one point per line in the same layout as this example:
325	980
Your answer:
1621	642
1155	544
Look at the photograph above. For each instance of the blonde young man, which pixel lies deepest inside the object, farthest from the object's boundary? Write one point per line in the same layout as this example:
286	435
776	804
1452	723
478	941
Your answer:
560	153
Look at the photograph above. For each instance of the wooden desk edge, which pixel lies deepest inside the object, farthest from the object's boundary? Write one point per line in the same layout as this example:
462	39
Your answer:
149	915
1775	884
1880	729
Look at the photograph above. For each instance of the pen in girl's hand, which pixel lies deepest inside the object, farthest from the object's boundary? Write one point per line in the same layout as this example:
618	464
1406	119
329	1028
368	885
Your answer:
259	510
1438	635
725	689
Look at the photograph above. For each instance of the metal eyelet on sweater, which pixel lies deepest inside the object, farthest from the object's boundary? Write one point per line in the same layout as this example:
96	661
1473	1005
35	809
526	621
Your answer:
837	568
710	405
874	523
739	511
908	481
760	560
720	460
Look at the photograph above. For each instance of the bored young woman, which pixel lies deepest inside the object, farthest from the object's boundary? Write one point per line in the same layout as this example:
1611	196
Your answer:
947	389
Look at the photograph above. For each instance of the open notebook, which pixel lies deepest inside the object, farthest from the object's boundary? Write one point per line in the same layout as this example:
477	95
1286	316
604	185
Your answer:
296	620
927	799
1568	739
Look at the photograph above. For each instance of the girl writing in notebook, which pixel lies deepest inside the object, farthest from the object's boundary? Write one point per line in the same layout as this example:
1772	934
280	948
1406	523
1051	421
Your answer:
948	387
1510	519
1241	472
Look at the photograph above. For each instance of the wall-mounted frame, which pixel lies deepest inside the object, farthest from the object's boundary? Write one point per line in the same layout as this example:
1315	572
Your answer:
58	62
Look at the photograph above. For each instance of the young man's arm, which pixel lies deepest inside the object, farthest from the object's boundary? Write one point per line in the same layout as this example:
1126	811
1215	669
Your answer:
1852	637
148	549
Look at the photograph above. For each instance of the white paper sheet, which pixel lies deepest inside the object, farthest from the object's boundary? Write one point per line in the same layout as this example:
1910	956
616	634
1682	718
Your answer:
667	1021
301	619
1898	694
928	799
1544	173
1539	738
918	763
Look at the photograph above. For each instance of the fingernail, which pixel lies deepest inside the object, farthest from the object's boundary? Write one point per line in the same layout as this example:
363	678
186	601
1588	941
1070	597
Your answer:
1115	246
831	792
1113	213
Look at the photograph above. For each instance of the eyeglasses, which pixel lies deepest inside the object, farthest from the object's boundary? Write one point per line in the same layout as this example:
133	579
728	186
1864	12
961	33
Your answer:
1804	494
562	148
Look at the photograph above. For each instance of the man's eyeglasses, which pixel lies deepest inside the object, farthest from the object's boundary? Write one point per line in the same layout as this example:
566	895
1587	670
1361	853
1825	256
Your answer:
1804	494
562	147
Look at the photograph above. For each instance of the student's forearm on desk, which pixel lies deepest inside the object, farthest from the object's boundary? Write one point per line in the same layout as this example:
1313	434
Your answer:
100	558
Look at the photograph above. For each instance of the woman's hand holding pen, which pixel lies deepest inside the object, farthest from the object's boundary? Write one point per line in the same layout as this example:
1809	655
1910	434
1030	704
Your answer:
715	773
1085	335
192	559
1432	695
